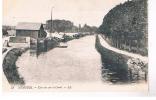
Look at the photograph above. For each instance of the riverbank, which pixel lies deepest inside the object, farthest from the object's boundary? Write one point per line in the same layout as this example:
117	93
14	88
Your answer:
119	67
9	66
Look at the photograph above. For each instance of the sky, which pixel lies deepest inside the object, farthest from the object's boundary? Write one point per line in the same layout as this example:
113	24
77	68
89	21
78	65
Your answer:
82	12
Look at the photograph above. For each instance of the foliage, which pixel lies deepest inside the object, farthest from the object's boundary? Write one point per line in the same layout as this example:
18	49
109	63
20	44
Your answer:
68	26
126	26
4	32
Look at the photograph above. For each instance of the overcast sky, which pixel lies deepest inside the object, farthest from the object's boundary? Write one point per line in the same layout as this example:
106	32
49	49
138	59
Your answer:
90	12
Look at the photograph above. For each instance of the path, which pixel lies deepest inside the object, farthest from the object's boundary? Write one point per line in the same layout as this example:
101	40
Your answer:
106	45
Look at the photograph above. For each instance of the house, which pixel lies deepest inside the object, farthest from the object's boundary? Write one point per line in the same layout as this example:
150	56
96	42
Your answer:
32	30
26	34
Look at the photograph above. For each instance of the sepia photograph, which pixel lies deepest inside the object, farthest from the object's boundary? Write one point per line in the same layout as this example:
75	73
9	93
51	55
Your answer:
75	45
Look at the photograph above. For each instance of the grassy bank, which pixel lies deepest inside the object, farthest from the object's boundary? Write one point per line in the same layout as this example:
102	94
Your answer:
9	66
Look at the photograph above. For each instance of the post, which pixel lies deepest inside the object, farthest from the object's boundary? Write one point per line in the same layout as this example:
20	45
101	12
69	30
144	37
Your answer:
51	24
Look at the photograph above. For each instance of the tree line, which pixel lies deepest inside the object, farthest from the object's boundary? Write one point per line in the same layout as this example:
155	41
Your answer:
67	26
125	26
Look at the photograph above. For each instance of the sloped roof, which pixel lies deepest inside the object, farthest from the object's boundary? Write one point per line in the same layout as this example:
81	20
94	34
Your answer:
28	26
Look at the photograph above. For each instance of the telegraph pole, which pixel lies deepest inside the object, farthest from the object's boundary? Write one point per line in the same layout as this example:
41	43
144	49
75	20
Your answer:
51	24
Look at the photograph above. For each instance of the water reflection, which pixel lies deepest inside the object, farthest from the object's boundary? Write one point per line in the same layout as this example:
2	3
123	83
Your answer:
39	46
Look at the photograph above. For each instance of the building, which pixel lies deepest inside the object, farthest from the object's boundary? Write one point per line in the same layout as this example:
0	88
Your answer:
32	30
27	34
11	32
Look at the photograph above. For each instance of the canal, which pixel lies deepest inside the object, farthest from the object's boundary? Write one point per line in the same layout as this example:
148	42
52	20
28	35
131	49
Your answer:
78	66
78	62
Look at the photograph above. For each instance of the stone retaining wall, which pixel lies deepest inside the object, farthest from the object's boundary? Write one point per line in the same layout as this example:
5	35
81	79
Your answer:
120	68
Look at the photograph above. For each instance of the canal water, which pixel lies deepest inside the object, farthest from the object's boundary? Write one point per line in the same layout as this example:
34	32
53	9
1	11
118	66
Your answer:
78	66
78	62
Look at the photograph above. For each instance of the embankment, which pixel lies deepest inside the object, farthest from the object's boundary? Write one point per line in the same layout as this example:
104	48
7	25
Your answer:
9	66
120	68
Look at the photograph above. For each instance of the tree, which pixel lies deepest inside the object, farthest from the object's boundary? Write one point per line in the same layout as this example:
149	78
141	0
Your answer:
126	24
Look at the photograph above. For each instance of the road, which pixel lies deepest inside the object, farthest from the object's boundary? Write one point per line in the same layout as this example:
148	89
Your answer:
79	62
133	55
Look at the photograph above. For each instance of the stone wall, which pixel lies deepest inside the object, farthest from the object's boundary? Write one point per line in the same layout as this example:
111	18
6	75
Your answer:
120	68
